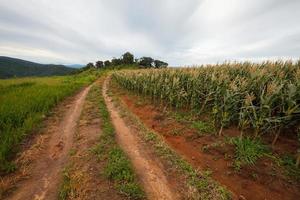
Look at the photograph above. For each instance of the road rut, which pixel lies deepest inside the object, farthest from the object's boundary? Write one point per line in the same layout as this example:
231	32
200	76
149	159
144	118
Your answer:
151	175
45	176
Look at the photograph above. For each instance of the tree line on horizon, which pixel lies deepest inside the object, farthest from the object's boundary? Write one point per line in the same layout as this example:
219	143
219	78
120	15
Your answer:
128	59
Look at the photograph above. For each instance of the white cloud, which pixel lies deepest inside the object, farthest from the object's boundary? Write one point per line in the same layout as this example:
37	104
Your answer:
180	32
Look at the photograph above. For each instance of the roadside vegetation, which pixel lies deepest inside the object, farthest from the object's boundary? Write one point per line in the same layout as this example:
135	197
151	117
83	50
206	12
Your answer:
247	151
24	102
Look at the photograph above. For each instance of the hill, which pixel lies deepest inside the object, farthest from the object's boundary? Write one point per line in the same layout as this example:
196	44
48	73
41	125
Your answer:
75	65
13	67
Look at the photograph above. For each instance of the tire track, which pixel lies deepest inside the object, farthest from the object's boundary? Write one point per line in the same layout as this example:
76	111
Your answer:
45	176
150	173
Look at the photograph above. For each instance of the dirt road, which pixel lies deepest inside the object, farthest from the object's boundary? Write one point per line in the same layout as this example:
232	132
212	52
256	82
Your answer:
74	127
150	173
84	171
45	175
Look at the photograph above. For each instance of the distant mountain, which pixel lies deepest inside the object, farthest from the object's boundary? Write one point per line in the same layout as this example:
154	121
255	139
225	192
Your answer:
13	67
75	65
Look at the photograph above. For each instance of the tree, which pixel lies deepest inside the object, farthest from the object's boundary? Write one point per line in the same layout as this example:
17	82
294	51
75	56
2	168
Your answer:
107	63
99	64
146	61
160	64
116	61
127	58
89	65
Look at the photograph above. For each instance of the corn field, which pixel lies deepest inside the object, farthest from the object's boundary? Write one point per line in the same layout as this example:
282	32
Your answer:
260	98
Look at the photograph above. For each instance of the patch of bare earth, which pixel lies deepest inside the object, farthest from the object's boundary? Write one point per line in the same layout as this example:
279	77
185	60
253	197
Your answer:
251	183
84	168
40	165
148	167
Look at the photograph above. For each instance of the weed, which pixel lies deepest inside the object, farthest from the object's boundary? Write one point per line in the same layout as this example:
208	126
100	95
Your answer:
151	137
118	166
254	176
203	127
205	148
177	131
72	152
181	117
99	150
227	156
139	103
289	164
133	190
207	173
247	151
65	187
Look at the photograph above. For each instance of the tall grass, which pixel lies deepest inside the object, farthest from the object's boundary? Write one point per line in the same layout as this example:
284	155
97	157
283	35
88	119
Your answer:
24	102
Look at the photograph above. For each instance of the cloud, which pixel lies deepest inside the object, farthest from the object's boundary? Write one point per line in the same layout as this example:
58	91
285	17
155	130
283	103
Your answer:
180	32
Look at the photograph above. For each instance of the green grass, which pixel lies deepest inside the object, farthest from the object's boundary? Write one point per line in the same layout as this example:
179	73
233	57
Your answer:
203	127
24	102
177	131
126	66
289	164
181	117
118	168
65	187
247	151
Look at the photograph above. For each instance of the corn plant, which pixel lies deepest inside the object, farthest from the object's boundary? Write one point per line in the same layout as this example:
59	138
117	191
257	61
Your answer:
261	98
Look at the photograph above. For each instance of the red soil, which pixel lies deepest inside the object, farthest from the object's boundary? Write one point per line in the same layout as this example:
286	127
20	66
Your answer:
252	182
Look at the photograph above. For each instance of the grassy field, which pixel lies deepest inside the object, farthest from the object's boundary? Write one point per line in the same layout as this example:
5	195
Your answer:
259	99
25	101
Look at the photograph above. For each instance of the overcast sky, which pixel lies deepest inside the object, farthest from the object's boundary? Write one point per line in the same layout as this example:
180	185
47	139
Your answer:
181	32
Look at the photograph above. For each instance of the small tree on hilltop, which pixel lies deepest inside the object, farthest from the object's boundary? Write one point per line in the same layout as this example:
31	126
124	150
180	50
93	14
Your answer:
107	63
128	58
99	64
146	62
89	66
116	61
160	64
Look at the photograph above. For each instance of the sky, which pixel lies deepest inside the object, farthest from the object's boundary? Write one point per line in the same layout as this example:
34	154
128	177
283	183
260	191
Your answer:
181	33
